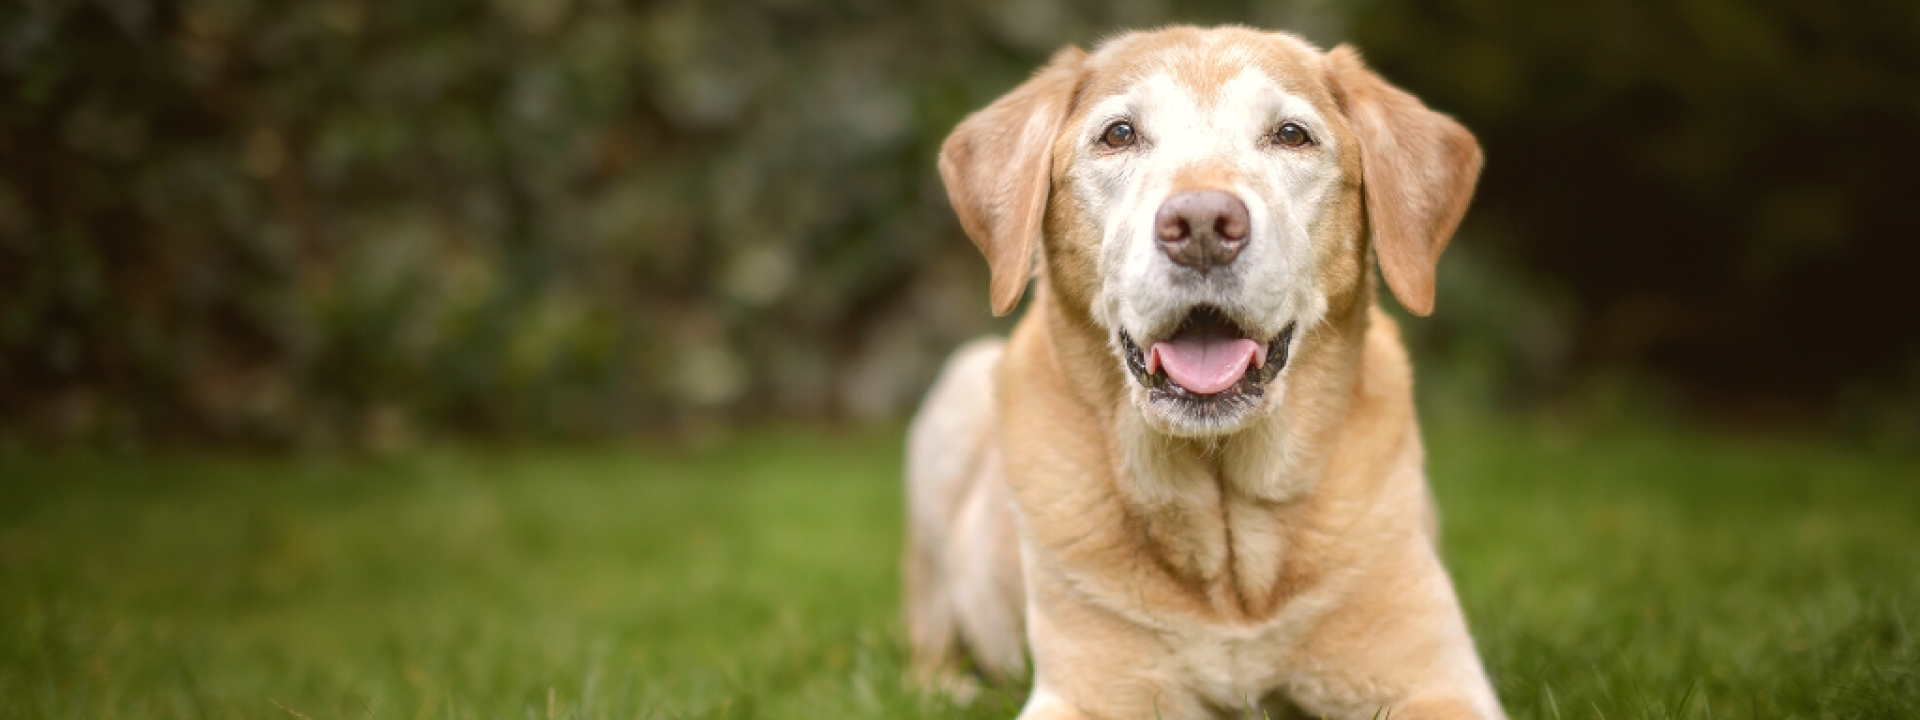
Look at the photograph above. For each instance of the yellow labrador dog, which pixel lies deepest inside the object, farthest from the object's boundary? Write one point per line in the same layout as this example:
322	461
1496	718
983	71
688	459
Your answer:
1190	484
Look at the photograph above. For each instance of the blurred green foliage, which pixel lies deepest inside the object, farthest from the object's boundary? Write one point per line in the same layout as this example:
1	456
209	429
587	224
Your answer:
342	222
349	222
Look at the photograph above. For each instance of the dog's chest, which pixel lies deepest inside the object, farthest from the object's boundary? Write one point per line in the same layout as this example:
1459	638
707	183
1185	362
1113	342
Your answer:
1245	558
1240	555
1233	665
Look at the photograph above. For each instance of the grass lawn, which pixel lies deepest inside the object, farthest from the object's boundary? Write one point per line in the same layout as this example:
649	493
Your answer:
1637	573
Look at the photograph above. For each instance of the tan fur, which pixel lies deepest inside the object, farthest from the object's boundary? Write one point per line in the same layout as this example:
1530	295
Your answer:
996	172
1420	169
1289	564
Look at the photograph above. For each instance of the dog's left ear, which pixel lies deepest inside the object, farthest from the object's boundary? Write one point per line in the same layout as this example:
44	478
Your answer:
1417	170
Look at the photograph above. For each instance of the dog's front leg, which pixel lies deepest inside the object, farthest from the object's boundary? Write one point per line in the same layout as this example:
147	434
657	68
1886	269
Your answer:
1091	663
1045	704
1399	648
1121	699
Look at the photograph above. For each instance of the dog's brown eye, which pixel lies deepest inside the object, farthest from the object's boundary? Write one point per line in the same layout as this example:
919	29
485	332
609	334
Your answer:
1118	135
1292	135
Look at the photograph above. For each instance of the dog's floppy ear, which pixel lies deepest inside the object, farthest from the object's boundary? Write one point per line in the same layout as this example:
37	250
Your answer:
1417	170
997	169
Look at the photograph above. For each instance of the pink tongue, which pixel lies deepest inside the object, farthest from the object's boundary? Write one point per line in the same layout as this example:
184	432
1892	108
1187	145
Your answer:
1205	366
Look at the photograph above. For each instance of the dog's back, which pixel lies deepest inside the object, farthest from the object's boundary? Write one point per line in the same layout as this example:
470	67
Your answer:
964	594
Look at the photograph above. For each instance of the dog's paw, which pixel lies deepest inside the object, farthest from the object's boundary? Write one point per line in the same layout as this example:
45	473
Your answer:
1440	709
957	687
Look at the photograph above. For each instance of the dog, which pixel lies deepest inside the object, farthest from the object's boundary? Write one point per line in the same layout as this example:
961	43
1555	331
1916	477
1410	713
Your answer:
1190	483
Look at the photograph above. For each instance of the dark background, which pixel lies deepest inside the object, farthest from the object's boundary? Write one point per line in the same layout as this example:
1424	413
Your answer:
359	223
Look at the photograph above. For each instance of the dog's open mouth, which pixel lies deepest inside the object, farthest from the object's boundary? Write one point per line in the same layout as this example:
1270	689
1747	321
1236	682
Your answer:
1208	359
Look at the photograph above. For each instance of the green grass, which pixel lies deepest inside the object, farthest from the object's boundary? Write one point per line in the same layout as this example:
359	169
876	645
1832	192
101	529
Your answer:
1638	573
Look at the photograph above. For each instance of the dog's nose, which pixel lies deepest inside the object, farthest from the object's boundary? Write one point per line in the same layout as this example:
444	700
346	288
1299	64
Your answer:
1202	229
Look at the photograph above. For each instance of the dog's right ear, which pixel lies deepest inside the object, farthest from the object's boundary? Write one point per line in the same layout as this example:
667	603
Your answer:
997	168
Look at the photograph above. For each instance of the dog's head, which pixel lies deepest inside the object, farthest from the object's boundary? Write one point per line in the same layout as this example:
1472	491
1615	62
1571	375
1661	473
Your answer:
1208	197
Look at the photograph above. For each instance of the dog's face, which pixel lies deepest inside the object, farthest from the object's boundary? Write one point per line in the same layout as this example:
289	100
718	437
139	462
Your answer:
1206	196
